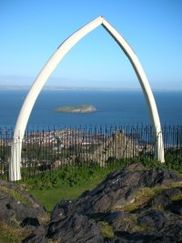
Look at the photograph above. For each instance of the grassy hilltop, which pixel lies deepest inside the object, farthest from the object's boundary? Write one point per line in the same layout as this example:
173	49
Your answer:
76	184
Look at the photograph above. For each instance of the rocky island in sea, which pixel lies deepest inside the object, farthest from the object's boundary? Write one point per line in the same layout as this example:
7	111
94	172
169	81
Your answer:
77	109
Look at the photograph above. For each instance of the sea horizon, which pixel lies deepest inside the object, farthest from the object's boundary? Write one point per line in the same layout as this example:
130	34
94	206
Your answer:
11	87
114	107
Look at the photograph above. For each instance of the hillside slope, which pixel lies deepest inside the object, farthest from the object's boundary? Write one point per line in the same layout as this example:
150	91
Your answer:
133	205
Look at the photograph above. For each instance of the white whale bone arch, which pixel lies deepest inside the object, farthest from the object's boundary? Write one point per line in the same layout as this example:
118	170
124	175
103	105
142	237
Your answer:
62	50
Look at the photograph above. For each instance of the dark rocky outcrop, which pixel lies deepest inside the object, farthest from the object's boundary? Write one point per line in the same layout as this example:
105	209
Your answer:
19	211
133	205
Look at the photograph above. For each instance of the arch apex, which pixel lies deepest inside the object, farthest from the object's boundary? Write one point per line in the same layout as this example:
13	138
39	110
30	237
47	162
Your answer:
100	19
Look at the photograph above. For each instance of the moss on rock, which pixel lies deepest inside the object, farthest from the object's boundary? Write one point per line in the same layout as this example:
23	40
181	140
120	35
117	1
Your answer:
106	230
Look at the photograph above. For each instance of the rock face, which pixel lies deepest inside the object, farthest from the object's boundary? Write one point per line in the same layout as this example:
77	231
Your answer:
19	210
133	205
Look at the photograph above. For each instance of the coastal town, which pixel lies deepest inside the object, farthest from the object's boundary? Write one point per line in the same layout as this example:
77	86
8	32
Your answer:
69	146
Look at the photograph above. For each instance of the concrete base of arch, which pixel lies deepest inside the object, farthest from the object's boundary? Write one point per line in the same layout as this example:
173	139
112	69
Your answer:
62	50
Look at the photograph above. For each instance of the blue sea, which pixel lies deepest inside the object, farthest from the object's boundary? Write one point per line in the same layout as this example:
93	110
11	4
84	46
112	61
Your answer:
113	108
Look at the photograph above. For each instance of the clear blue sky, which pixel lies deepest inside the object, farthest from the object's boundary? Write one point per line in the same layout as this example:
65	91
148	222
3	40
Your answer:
30	31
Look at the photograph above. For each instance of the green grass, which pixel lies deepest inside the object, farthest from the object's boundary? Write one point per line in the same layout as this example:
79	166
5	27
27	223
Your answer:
49	197
68	182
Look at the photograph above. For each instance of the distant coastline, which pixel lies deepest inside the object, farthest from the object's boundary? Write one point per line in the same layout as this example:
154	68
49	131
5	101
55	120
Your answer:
4	87
77	109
